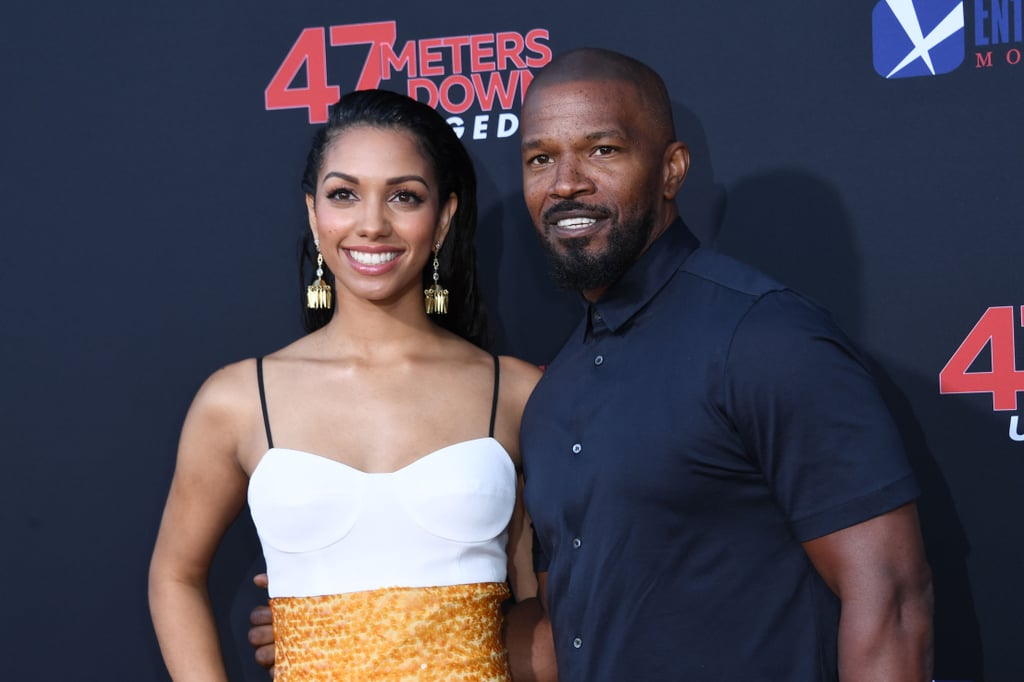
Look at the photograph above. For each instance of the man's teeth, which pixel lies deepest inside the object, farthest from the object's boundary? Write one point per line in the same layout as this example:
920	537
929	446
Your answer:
575	223
373	258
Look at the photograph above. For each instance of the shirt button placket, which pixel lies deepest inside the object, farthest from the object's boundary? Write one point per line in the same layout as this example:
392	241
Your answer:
577	448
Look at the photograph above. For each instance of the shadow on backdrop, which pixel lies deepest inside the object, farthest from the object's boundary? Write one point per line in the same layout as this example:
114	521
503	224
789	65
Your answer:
233	594
530	316
700	201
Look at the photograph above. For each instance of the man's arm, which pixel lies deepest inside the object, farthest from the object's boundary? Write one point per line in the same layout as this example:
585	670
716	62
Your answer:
261	634
878	570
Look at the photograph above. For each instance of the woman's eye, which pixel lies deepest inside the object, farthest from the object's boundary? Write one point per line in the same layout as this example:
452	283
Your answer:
340	194
407	197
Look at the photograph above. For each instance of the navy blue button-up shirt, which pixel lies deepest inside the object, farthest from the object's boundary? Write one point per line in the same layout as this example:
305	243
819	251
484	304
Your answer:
701	423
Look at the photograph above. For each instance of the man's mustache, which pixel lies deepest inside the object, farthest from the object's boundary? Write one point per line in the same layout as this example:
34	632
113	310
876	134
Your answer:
570	205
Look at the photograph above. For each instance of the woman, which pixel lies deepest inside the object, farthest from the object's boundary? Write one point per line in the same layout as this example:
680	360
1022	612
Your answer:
379	452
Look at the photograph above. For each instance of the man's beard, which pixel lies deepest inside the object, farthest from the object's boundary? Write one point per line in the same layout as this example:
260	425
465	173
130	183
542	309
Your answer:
573	267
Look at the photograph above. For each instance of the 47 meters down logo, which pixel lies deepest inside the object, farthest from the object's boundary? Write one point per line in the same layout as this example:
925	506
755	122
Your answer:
992	336
922	38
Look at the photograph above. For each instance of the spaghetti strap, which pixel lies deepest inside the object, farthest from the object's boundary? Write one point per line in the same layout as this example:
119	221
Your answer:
494	401
263	401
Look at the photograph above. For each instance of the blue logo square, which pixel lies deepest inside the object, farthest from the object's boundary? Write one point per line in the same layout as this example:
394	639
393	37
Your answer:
925	40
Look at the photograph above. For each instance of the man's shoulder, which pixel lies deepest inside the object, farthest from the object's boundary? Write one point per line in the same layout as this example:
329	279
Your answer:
728	273
731	295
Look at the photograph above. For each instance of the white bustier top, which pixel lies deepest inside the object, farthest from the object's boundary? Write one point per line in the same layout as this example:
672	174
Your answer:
327	528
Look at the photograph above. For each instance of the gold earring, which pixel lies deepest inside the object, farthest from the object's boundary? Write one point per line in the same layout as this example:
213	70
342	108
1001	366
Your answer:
435	298
318	294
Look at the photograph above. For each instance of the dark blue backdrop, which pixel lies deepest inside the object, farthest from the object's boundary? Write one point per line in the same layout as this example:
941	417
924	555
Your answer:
151	212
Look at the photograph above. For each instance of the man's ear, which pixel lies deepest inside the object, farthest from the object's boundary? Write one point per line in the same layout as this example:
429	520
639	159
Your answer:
677	163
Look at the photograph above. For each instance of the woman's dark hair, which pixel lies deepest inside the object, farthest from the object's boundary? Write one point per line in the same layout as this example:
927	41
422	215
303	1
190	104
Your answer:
455	174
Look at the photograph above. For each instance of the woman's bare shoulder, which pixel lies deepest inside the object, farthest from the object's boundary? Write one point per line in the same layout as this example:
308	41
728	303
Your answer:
519	376
228	392
521	370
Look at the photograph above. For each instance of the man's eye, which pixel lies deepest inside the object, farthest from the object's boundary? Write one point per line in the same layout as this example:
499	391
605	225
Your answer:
603	150
539	160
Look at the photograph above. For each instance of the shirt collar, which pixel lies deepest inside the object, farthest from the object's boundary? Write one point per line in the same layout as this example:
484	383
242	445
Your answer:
645	277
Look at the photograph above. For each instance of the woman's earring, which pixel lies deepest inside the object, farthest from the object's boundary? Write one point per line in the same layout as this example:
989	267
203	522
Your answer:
436	298
318	294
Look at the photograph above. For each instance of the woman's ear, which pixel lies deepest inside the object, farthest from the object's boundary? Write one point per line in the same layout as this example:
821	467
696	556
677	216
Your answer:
444	218
311	211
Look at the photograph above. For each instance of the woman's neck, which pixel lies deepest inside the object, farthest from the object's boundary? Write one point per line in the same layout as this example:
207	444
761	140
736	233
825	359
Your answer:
375	329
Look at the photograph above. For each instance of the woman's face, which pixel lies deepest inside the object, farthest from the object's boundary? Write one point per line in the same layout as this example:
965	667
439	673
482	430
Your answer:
377	213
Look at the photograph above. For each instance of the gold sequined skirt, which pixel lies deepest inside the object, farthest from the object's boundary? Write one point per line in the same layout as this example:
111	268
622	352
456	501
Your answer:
394	634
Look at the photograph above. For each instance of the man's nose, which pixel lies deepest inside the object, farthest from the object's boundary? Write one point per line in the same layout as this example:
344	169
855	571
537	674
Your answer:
570	179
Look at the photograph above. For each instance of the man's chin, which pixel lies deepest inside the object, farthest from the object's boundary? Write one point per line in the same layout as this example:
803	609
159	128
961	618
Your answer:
595	260
577	270
581	248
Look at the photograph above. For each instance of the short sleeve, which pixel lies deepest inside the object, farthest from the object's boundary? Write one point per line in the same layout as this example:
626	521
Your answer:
809	413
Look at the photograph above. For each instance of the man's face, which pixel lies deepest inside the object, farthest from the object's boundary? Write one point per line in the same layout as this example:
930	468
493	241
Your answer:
593	179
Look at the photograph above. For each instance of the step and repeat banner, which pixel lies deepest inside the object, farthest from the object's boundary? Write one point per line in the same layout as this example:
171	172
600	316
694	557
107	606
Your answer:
867	153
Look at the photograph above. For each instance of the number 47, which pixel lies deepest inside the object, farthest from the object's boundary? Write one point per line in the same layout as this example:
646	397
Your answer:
994	329
309	53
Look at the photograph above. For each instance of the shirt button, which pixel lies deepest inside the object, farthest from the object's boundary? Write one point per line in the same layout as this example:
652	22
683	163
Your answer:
599	360
597	315
576	542
577	448
577	643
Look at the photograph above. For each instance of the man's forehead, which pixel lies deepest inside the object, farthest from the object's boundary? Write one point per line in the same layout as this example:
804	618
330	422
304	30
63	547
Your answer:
565	86
599	106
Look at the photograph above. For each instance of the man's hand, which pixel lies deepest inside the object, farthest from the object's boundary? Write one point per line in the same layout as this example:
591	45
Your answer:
261	634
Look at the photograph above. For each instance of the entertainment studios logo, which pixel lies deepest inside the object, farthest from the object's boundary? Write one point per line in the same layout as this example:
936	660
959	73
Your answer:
929	37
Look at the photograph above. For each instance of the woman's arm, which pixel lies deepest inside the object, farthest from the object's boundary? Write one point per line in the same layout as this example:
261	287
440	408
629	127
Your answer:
207	492
517	381
531	650
521	577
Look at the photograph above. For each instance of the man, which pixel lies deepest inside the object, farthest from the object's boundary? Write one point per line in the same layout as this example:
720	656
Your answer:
717	490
